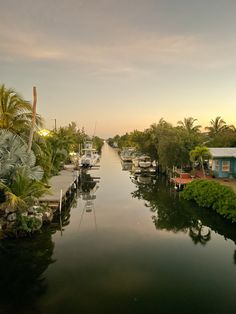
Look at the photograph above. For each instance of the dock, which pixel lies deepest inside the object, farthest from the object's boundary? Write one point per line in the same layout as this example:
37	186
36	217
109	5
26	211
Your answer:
61	188
181	181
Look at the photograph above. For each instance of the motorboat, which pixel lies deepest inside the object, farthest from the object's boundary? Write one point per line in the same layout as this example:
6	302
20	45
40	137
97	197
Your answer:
127	154
90	157
143	161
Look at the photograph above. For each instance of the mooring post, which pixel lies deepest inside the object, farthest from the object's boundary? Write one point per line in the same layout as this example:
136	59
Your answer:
80	174
60	204
77	178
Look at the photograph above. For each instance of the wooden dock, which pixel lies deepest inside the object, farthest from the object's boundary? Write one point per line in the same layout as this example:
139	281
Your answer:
62	186
181	181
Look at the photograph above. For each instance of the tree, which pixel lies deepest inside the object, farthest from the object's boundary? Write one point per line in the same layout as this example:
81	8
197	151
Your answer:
216	126
198	234
15	112
22	192
188	125
199	153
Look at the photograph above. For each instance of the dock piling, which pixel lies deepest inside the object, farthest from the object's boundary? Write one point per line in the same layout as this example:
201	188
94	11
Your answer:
60	203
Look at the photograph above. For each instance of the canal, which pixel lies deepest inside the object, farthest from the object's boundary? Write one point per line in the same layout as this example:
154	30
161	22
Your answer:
130	246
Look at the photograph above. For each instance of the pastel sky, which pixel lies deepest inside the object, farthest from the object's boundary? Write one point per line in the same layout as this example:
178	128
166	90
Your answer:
122	64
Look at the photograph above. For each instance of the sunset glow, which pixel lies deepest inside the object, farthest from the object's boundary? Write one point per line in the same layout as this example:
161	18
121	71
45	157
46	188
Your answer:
121	64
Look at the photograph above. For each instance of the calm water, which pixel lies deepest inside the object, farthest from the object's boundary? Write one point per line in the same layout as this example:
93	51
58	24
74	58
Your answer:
131	247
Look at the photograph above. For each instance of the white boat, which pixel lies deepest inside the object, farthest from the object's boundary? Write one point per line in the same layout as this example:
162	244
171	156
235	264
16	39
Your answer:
142	161
127	154
90	157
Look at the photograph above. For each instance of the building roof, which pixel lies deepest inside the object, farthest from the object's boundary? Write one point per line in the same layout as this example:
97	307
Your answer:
223	152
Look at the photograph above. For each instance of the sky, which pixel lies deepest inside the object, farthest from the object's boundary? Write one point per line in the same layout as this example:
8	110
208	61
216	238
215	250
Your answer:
121	65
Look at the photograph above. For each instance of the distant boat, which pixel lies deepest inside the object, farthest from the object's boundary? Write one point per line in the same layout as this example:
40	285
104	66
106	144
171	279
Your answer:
143	161
90	157
127	154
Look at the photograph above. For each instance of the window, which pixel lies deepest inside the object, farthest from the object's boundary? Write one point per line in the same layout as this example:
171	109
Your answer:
226	165
216	165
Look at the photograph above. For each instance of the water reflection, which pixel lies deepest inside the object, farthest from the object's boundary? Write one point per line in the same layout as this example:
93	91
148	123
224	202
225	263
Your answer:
23	263
143	179
88	195
199	233
22	266
171	213
87	182
126	166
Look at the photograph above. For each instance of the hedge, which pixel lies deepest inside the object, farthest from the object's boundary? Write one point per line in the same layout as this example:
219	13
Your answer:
211	194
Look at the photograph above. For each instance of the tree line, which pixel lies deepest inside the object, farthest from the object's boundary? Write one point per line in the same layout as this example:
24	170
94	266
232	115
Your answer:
171	145
24	172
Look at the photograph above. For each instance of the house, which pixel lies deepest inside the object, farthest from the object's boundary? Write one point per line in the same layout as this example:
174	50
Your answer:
223	162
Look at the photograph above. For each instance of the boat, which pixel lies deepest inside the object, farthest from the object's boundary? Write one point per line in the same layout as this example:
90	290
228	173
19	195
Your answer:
127	154
143	161
90	157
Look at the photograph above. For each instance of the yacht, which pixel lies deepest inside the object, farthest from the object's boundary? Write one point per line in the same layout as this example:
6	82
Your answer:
90	157
142	161
127	154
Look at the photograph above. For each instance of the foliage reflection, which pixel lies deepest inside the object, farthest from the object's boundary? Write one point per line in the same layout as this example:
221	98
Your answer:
171	213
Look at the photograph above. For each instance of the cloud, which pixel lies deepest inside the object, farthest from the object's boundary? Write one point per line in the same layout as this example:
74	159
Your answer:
39	46
16	44
135	52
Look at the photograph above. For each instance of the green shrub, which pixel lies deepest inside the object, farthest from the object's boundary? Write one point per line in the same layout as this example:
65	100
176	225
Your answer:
212	195
27	224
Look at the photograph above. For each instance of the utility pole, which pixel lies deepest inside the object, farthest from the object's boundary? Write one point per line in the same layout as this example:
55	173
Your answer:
55	124
33	119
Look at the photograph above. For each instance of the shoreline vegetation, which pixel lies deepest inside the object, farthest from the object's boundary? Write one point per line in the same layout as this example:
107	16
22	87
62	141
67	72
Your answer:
186	147
212	195
24	170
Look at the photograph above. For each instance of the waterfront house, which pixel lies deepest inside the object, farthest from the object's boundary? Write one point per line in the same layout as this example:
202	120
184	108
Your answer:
223	162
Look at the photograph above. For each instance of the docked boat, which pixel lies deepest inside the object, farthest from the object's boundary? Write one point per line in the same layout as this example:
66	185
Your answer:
90	157
127	154
142	161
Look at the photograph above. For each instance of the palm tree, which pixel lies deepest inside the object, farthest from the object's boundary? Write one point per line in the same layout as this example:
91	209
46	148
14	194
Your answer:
199	153
22	193
198	234
188	125
15	112
217	126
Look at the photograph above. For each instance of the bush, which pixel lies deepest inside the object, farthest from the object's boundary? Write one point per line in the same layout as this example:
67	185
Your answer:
212	195
26	224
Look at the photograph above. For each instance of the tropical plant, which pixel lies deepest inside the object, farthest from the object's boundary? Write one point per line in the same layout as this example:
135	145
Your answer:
188	125
212	195
15	112
14	156
22	193
198	234
199	154
51	157
216	126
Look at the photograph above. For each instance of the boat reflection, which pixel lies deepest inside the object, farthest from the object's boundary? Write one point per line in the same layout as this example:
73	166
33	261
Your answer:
143	179
126	166
88	189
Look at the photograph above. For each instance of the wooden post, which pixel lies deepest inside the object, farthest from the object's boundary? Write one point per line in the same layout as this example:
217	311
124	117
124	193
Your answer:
60	204
33	119
77	178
